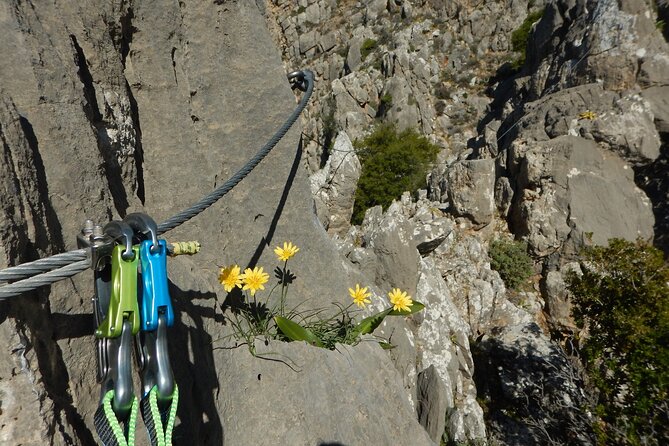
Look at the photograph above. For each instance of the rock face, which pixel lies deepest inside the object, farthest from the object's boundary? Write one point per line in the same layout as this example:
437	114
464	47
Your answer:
333	187
310	399
569	189
532	391
471	190
111	108
418	66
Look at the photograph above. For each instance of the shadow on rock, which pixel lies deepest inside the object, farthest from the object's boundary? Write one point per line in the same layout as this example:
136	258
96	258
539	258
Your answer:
530	391
267	238
191	356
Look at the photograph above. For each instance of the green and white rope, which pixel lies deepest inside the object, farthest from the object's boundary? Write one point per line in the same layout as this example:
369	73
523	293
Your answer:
108	427
159	425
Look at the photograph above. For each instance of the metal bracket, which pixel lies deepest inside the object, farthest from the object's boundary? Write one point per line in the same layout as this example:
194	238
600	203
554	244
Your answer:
98	244
297	80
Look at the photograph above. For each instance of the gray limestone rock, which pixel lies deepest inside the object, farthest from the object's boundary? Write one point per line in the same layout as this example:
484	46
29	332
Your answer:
348	113
568	188
443	340
313	396
398	108
476	290
327	42
428	235
658	98
629	129
503	195
471	190
308	41
353	57
558	114
558	302
614	42
32	366
333	187
398	259
534	393
432	403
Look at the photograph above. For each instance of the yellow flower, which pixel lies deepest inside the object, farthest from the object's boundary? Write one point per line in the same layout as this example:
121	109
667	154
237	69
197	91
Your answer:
400	300
230	277
254	279
359	295
288	251
587	115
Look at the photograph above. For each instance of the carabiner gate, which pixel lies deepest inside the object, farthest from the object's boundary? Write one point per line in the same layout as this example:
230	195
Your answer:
157	314
123	295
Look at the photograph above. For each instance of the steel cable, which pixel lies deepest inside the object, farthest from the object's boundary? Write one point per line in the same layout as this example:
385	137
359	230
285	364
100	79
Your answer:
42	272
22	286
216	195
42	265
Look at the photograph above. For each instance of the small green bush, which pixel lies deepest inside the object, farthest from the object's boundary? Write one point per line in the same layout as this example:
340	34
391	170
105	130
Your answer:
392	163
510	259
622	297
519	37
367	47
440	107
442	91
386	100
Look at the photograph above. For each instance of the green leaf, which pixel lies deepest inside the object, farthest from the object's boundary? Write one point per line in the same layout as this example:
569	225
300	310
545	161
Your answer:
387	345
296	332
369	324
414	308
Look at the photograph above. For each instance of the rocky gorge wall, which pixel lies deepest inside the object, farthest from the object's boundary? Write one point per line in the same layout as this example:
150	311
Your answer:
564	150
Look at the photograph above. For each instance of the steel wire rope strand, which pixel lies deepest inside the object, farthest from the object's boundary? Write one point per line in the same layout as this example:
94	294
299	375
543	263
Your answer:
41	272
29	284
219	192
42	265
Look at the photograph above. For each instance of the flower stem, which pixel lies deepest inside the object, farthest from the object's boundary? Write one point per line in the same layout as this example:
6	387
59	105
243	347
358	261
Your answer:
284	288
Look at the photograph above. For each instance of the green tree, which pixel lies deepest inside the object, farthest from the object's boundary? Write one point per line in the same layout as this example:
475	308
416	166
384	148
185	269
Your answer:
622	298
392	163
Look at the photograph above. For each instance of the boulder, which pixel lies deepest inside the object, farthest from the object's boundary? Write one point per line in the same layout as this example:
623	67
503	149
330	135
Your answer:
629	129
533	393
658	98
390	240
448	366
432	403
353	57
569	189
471	190
333	187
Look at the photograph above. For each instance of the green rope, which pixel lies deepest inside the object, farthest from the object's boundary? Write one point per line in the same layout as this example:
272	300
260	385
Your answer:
117	430
159	434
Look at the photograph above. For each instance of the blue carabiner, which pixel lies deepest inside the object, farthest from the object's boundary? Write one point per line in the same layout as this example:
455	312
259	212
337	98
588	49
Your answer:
155	298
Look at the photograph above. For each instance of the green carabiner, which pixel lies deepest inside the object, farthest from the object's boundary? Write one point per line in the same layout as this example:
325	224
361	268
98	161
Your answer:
123	299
